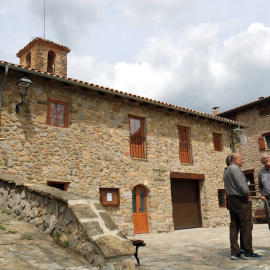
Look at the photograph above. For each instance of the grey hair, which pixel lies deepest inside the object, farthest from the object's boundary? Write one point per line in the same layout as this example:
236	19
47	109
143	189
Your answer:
229	159
264	154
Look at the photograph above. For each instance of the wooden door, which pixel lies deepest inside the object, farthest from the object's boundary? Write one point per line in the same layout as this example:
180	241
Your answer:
185	202
140	213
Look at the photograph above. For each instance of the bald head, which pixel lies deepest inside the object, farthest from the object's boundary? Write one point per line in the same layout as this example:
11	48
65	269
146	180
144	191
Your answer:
265	160
237	159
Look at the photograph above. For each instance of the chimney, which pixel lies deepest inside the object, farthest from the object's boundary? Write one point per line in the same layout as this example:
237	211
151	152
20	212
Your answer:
215	110
45	55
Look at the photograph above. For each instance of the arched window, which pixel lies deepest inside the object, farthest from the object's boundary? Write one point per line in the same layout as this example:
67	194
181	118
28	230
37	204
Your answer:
51	62
28	60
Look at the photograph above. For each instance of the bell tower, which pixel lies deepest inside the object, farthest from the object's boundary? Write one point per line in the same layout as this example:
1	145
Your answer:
45	56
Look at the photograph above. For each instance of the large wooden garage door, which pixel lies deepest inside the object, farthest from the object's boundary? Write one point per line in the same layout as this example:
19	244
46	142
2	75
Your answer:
185	203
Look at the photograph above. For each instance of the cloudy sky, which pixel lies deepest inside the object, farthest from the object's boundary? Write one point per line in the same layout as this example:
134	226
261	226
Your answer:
197	54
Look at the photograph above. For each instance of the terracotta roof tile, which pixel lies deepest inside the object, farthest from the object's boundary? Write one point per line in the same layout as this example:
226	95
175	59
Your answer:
245	106
42	41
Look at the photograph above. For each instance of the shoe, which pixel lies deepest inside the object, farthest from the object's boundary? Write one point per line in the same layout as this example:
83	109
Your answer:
242	252
252	256
235	256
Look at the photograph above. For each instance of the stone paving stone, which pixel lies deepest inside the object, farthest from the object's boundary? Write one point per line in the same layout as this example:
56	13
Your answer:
200	248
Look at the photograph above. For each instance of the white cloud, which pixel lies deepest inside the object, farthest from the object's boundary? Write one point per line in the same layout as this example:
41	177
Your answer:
154	11
192	71
195	54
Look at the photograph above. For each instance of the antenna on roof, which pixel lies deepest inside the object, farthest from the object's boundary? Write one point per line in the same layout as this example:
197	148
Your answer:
44	19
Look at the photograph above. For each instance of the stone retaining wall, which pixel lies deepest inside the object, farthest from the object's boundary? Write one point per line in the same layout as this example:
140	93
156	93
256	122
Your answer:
74	221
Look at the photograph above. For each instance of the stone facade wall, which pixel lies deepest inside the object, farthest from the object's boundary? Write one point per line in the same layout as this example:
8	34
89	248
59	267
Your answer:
94	150
76	222
257	125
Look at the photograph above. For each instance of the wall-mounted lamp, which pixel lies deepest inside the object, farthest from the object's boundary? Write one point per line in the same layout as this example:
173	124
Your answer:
237	137
23	86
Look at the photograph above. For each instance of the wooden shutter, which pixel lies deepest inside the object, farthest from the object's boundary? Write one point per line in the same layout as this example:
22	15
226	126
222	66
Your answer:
217	142
262	144
184	144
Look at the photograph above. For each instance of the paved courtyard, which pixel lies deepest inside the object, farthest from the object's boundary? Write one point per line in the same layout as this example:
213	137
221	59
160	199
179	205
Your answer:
24	247
201	248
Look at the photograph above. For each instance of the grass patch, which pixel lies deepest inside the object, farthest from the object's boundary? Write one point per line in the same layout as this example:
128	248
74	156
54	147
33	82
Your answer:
26	236
56	237
21	218
12	232
65	243
2	227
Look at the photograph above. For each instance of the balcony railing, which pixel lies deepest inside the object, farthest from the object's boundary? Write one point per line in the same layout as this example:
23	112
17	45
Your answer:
137	146
185	152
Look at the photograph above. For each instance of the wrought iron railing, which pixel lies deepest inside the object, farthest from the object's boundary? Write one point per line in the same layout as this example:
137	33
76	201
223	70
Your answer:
185	152
137	146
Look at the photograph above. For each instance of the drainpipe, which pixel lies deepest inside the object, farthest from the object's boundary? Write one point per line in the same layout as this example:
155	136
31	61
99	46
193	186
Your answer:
1	89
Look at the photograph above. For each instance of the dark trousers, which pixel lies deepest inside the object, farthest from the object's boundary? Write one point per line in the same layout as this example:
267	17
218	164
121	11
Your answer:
241	218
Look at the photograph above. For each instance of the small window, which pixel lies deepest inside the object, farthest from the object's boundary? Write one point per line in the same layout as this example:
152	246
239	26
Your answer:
137	137
249	174
267	139
222	198
264	109
217	142
57	113
59	185
28	60
109	196
51	62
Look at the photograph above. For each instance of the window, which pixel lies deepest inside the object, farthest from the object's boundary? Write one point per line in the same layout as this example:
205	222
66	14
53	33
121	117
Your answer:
264	109
137	138
184	145
50	63
222	201
217	142
109	196
28	60
57	113
249	174
264	142
59	185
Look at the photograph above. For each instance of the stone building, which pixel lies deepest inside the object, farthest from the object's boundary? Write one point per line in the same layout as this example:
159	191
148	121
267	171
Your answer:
256	115
154	166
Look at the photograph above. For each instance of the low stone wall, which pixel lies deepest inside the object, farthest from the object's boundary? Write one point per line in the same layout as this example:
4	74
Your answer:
76	222
257	203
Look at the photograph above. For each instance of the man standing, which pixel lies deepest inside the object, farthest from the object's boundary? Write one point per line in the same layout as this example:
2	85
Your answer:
236	188
264	185
264	177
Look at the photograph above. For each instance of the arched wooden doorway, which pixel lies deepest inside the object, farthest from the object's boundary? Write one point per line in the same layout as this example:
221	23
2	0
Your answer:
140	212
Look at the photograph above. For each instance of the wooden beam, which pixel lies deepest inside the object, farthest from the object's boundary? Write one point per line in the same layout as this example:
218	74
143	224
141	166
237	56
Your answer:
187	176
